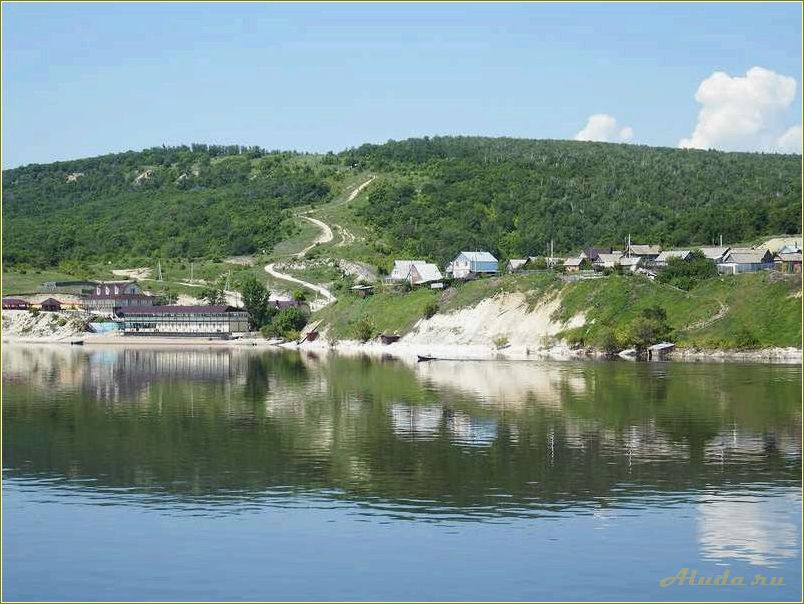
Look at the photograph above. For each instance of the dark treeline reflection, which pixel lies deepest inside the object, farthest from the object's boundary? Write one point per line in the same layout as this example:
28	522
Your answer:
488	436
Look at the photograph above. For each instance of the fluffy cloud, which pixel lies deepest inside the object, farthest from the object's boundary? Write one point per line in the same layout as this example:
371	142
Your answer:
790	140
604	128
742	113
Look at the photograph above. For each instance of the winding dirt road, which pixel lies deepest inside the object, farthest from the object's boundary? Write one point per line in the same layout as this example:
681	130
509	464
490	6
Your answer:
324	237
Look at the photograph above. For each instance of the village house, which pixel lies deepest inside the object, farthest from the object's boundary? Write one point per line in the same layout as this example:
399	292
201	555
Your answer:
593	253
608	260
109	304
15	304
363	291
50	305
715	253
573	265
788	262
515	264
415	272
117	288
644	251
630	263
663	257
216	320
746	260
472	264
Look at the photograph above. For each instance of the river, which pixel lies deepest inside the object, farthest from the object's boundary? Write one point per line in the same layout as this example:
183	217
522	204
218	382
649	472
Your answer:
231	474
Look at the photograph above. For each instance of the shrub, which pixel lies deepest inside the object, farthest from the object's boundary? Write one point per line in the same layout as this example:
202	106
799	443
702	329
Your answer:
430	309
34	312
364	329
500	341
744	338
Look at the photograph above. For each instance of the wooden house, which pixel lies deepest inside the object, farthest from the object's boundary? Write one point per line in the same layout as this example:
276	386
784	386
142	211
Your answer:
665	256
573	265
746	260
788	262
50	305
472	264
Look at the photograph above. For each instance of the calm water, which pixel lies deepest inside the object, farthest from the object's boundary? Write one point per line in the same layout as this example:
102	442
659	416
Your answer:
212	474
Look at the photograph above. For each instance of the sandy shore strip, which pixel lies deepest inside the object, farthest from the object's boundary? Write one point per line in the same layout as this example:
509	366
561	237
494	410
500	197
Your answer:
408	351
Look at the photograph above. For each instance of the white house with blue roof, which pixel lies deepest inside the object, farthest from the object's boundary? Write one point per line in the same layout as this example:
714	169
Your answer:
468	264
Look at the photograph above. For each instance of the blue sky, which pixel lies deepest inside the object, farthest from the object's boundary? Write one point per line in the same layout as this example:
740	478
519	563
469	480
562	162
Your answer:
86	79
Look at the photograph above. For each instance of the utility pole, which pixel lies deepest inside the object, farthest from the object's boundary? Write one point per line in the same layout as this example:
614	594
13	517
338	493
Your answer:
159	270
192	265
551	252
721	240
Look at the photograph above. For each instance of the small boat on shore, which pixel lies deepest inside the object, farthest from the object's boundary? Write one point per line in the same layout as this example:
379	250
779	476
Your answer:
424	357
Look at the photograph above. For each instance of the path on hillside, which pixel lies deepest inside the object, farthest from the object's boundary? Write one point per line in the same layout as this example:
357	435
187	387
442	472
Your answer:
325	236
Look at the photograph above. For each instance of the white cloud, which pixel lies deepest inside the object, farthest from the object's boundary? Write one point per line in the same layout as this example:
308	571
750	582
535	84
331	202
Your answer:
741	113
790	140
604	128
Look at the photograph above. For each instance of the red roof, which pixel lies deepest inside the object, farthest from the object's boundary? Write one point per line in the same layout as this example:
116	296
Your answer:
175	309
118	296
15	301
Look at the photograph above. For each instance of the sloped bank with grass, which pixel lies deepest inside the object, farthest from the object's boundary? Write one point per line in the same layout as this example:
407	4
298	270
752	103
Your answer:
749	316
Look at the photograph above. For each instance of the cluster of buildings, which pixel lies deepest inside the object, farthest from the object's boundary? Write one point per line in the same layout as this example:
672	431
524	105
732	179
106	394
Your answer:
123	306
636	258
648	258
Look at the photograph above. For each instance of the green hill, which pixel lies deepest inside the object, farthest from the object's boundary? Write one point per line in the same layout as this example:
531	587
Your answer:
432	197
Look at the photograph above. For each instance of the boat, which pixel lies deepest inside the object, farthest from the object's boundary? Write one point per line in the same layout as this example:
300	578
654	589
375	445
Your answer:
424	357
76	342
389	338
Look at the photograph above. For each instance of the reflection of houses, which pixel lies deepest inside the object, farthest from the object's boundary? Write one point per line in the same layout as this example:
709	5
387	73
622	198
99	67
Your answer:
472	264
213	320
470	430
415	421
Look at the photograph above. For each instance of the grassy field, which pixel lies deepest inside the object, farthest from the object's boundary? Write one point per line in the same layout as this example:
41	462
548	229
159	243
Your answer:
28	282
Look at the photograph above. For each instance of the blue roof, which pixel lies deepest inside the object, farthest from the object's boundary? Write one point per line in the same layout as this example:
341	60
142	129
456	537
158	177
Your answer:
479	256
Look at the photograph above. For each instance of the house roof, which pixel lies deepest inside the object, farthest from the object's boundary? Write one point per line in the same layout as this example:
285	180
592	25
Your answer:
517	262
609	257
199	309
789	256
479	256
747	256
667	254
790	248
15	301
640	249
427	271
50	301
714	252
573	261
118	296
630	260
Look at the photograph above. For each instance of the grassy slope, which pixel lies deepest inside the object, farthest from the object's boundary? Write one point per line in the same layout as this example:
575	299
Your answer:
761	308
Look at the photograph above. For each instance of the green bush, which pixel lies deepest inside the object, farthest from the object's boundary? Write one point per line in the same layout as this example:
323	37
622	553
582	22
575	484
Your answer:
364	329
500	341
431	309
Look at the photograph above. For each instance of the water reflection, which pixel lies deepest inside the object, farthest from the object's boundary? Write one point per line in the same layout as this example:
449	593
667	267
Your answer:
483	440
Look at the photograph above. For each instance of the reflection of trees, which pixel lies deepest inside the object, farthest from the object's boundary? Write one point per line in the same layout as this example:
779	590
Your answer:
245	420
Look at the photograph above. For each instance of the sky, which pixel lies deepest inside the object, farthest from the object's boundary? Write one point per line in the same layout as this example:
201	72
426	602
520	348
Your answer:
86	79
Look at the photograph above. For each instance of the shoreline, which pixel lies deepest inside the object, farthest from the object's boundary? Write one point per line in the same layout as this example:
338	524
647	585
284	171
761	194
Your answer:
410	351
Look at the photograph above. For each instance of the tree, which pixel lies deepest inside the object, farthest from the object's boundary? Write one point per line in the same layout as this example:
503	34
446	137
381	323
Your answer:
649	328
256	300
286	322
687	273
364	330
215	294
299	295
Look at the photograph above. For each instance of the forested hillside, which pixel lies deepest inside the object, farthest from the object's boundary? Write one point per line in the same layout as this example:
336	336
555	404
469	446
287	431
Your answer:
513	196
432	197
196	201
